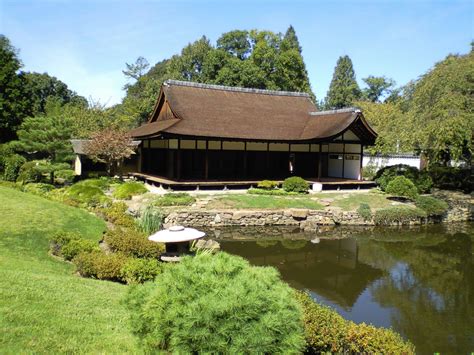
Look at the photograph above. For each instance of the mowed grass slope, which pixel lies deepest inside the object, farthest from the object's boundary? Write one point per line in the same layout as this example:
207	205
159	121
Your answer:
44	307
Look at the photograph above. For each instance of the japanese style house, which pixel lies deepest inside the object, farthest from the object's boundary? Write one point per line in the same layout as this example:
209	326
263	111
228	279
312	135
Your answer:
200	132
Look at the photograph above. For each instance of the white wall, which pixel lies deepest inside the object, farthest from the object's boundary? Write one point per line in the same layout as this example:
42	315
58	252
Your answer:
352	166
381	162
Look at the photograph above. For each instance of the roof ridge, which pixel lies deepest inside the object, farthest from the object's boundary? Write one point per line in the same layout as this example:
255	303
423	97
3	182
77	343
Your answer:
235	88
340	110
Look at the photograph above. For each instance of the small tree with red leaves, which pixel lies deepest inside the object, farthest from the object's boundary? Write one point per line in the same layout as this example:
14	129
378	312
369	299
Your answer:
109	146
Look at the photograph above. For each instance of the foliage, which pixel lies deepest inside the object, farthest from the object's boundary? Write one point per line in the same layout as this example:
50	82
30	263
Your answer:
132	243
117	214
5	151
65	176
295	184
137	271
151	219
40	188
60	239
76	246
274	192
12	167
432	206
369	171
100	266
216	304
343	90
421	179
451	178
109	146
267	184
174	199
14	102
127	190
327	332
102	183
377	87
364	211
29	172
86	195
137	69
402	187
398	215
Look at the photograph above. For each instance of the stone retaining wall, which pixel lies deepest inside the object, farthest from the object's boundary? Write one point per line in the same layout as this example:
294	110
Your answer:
461	206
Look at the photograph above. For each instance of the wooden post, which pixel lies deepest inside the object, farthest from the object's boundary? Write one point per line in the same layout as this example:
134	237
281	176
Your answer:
343	158
361	158
245	160
206	162
178	161
320	162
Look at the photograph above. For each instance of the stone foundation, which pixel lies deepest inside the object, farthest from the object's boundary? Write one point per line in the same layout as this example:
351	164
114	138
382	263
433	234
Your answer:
461	206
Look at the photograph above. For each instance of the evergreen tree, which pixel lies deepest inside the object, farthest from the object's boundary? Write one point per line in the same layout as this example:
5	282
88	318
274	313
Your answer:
290	40
343	90
14	102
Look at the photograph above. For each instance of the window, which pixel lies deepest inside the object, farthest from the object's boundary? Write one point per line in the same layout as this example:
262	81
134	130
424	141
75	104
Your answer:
335	156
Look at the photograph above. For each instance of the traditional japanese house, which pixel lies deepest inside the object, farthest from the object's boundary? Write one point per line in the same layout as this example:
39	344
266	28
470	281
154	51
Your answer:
200	132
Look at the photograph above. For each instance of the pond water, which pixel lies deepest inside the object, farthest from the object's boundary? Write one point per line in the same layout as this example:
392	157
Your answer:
418	281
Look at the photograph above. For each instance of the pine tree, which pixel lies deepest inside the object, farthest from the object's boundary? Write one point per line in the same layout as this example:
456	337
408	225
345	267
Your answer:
290	40
344	89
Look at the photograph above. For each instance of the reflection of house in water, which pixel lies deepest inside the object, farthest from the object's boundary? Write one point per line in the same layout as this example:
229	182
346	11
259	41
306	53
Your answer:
330	268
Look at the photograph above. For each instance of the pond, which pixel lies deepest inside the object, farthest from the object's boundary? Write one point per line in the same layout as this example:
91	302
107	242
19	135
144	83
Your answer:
418	281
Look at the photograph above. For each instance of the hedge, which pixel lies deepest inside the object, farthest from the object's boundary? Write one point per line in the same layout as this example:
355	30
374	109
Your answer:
295	184
398	215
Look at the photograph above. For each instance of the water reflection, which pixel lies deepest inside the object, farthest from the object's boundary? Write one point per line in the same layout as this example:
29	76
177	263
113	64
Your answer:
418	281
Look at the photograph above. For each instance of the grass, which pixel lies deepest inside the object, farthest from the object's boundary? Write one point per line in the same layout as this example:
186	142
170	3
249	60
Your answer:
354	200
44	307
263	202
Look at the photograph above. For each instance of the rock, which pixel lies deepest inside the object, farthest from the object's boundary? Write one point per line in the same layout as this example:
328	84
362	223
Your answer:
299	213
209	244
217	219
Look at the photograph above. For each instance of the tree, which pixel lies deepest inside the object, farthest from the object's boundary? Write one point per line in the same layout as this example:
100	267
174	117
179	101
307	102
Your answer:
290	40
14	103
377	87
235	43
137	69
343	90
47	136
109	146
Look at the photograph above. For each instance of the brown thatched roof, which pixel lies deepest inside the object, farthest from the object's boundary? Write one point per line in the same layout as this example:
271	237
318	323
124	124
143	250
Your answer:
212	111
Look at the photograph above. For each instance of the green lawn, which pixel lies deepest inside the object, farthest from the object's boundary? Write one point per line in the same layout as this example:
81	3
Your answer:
354	200
44	307
263	202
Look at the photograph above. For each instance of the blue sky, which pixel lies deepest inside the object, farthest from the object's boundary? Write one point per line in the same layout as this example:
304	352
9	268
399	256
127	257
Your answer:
86	43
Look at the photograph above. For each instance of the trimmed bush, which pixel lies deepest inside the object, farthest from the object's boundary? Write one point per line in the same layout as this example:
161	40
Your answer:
5	151
421	179
295	184
127	190
274	192
12	165
59	240
450	178
398	215
29	172
150	220
174	199
326	331
117	214
39	188
400	186
100	266
64	176
364	211
84	194
267	184
102	183
432	206
77	246
137	271
132	243
216	304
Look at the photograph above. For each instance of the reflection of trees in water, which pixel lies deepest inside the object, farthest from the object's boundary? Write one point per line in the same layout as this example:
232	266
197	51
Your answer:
267	243
293	244
432	291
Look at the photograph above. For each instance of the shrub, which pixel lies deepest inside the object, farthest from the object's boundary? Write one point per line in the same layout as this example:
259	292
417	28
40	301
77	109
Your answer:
136	271
267	184
127	190
102	183
432	206
398	215
326	331
421	179
150	220
274	192
101	266
29	172
65	176
295	184
86	195
40	189
450	178
364	211
116	214
77	246
5	151
132	243
174	199
60	239
216	304
12	167
369	171
400	186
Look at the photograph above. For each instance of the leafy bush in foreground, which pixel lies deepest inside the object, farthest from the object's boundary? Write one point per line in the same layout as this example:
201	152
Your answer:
126	190
174	199
398	215
432	206
326	331
117	214
60	239
402	187
100	266
216	304
267	184
77	246
132	243
29	172
295	184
